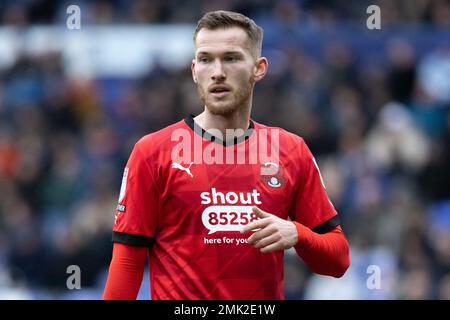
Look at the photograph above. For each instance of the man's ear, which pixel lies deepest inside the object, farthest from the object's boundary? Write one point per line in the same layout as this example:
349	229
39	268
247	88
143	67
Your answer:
261	67
194	77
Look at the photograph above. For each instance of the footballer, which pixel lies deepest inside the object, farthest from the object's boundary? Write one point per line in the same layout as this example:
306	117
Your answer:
213	200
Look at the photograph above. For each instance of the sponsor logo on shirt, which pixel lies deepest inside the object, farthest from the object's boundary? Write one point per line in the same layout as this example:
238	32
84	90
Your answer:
229	211
176	165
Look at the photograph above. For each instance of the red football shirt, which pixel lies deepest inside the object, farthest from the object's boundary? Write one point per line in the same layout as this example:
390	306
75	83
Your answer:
186	194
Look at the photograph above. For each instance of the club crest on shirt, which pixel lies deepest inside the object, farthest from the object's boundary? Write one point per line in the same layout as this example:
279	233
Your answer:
272	174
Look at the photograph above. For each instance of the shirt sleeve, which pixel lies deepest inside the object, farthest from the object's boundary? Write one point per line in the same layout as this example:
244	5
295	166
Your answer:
125	272
137	210
326	254
312	207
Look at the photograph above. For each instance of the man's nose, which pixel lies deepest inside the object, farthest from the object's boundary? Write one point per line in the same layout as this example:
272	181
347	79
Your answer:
218	72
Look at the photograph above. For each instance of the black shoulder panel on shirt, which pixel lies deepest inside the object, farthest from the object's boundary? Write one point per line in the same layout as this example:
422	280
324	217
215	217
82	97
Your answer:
328	225
132	239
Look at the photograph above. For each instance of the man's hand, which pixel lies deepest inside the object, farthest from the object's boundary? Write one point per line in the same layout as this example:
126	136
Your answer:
274	233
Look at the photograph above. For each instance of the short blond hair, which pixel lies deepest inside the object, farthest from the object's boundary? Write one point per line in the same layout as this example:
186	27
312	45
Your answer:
226	19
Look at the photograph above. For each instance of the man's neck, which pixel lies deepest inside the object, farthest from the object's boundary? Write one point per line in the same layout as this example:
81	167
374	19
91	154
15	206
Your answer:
237	120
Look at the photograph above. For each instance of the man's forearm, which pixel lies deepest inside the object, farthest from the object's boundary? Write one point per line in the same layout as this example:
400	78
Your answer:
125	272
325	254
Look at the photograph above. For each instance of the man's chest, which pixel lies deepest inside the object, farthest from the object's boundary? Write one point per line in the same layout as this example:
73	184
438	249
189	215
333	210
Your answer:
201	198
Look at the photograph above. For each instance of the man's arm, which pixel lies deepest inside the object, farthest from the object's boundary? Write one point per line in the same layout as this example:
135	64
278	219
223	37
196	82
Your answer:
135	223
326	254
125	272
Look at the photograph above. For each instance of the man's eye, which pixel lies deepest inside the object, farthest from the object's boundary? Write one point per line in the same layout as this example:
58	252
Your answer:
230	59
203	60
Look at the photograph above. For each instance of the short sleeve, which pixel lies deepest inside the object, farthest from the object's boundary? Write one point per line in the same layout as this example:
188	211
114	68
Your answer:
312	207
137	210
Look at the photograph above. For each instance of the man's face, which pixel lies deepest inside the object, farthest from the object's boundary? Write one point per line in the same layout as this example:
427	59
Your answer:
224	69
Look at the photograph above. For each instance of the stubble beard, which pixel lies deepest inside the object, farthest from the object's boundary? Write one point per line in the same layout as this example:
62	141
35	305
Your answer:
233	104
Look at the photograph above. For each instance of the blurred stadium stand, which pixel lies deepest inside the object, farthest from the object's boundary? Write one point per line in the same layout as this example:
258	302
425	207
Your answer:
373	105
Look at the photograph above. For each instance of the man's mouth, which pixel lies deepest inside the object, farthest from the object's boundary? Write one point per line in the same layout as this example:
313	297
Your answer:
219	91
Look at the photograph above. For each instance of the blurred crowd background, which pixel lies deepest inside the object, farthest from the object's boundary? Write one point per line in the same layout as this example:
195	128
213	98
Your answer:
373	105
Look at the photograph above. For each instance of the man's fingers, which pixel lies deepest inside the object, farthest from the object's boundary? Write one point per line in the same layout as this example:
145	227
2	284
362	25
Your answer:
267	240
260	213
261	234
261	223
276	246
